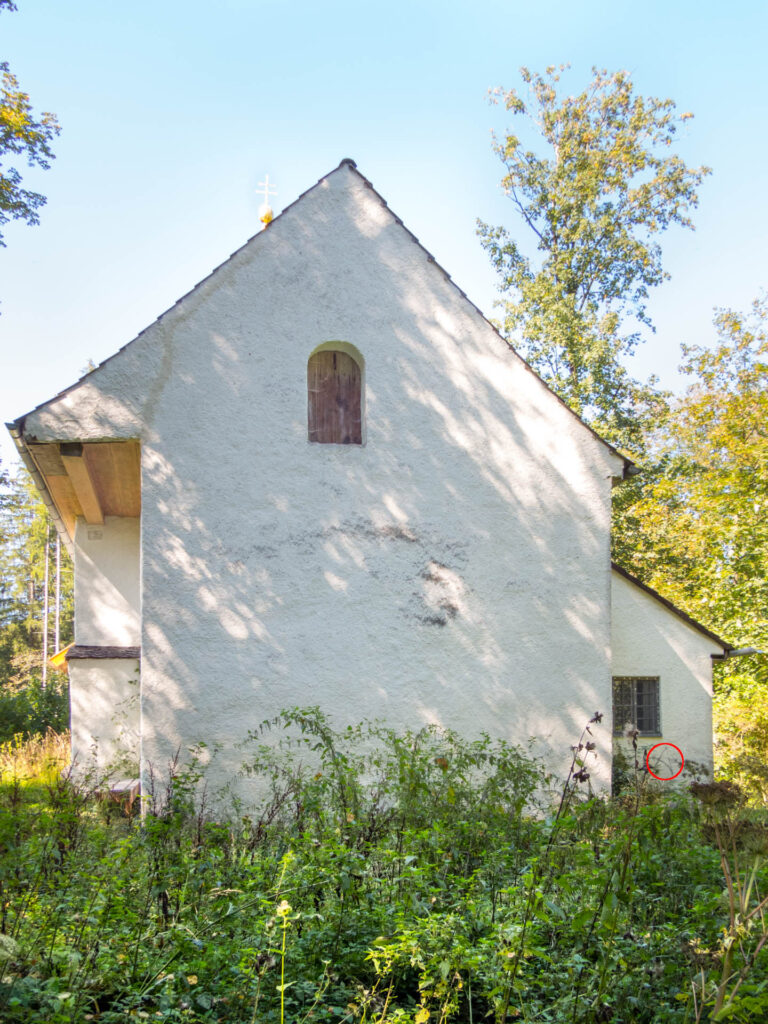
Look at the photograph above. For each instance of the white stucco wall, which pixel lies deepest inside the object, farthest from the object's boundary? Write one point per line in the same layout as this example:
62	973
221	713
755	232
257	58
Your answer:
650	640
104	693
104	715
107	588
453	569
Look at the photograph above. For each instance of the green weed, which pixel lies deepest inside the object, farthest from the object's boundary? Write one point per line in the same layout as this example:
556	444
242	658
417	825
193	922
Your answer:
381	878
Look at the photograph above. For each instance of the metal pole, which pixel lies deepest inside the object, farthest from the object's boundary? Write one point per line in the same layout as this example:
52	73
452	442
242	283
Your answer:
58	594
45	614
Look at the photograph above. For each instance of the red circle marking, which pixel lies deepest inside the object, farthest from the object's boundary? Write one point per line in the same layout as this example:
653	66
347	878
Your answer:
665	778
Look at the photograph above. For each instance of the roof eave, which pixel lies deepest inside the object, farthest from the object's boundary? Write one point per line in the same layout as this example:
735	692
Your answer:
689	620
16	430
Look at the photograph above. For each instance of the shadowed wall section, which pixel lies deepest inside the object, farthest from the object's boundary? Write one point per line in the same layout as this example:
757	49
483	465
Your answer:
104	666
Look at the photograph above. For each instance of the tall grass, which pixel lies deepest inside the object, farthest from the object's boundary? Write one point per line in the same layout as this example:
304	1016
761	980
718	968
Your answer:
37	759
380	879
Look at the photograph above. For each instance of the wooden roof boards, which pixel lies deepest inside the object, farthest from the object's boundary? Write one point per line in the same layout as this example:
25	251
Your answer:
93	479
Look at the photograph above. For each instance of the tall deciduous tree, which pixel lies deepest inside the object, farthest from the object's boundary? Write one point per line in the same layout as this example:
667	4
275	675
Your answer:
594	204
697	525
22	134
700	522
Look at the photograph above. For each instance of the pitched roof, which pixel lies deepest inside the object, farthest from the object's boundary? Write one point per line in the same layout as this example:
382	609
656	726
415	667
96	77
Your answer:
16	427
673	608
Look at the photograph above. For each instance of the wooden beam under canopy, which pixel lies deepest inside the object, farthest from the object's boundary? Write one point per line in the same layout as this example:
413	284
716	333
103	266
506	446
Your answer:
72	456
92	479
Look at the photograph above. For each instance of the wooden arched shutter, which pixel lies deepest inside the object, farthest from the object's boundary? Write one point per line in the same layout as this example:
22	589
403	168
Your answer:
333	383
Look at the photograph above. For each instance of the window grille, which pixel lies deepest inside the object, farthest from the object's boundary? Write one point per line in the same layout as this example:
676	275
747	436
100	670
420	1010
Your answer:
636	705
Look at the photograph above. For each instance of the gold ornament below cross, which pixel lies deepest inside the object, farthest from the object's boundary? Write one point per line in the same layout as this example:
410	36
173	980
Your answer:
265	210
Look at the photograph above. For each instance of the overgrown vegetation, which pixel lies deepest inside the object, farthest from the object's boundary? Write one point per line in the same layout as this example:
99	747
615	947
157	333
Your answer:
380	877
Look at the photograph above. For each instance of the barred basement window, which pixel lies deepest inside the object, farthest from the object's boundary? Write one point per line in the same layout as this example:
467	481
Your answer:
636	705
334	384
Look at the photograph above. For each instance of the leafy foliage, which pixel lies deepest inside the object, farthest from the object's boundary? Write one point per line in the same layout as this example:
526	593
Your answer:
398	878
695	524
701	521
25	529
741	722
730	992
595	206
21	134
26	706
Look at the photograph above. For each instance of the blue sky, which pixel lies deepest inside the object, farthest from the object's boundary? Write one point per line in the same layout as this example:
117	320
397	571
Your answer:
172	112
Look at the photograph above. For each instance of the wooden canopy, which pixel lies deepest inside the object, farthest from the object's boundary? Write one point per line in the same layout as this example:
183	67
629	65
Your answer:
93	479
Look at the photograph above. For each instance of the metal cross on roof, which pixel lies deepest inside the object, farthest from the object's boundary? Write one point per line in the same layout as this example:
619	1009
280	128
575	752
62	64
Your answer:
266	189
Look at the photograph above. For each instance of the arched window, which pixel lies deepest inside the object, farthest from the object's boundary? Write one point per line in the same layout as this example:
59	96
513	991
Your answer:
334	384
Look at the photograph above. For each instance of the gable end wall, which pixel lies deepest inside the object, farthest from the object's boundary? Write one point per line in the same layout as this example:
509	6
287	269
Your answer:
452	569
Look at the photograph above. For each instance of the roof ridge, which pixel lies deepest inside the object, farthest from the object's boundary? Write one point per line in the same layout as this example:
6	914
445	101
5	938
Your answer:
629	466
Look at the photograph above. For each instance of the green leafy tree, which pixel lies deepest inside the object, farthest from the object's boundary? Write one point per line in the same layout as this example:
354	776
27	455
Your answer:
696	524
594	203
700	519
23	134
25	528
741	728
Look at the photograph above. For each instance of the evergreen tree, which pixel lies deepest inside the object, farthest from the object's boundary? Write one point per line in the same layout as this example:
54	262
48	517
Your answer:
25	528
